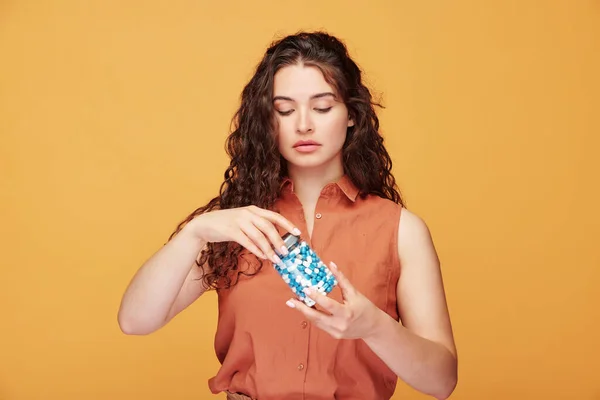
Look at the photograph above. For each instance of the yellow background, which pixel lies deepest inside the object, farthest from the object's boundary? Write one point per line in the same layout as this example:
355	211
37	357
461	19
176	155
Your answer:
113	116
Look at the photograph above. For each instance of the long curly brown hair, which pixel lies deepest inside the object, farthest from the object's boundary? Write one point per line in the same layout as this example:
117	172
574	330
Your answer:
256	168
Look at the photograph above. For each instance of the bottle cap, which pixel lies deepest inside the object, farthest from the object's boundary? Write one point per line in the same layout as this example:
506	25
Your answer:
290	240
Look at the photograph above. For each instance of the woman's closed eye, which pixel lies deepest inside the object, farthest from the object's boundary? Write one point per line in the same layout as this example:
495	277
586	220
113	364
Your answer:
319	110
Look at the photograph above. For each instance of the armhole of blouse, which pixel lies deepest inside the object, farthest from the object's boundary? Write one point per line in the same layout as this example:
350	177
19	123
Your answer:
396	264
395	268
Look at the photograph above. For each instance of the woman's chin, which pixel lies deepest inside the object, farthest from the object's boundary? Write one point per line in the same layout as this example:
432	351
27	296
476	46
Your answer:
309	163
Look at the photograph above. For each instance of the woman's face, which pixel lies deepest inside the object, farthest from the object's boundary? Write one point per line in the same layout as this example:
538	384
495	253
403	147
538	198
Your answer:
312	122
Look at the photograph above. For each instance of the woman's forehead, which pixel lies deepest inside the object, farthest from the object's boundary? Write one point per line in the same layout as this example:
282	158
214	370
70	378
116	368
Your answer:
299	82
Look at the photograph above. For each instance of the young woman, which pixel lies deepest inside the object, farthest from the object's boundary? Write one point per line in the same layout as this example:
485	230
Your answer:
307	158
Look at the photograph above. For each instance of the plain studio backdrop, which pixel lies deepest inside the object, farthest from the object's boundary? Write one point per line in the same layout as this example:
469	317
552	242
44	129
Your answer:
113	117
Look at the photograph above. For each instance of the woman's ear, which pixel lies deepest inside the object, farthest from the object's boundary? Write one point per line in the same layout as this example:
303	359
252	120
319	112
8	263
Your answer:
350	121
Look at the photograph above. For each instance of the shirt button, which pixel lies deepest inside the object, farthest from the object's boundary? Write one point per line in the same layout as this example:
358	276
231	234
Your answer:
300	367
318	215
304	324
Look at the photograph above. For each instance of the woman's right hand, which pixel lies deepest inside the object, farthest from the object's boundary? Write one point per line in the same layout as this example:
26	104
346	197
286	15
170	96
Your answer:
252	227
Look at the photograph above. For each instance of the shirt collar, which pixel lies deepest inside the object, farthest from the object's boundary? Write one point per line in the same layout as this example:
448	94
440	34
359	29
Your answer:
344	184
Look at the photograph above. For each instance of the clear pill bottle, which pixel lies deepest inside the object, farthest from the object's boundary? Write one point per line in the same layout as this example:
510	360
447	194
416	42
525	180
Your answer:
302	268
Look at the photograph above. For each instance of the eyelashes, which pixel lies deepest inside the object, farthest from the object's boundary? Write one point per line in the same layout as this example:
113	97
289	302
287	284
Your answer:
323	110
319	110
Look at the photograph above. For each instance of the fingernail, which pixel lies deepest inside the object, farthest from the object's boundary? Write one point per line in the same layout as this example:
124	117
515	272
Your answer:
333	266
290	304
276	259
284	250
296	232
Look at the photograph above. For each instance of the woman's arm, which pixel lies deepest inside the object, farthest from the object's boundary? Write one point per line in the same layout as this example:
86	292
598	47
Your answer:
421	350
163	286
170	280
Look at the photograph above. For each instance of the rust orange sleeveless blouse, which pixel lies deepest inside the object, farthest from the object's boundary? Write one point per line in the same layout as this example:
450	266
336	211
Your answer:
269	351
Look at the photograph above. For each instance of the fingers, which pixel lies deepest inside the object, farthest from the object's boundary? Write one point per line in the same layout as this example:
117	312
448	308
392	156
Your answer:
267	228
343	282
310	313
276	218
264	221
245	241
259	240
251	227
327	303
321	320
259	233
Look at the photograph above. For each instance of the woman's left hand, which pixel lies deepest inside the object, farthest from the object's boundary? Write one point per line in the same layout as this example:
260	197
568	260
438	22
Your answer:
356	318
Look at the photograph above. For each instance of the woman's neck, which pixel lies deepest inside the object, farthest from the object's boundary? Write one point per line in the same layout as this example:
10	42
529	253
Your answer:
308	182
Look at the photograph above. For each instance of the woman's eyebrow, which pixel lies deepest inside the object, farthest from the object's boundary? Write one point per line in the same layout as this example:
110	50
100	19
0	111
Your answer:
314	96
